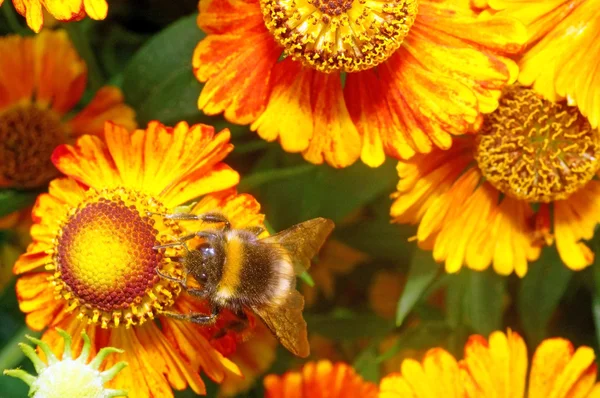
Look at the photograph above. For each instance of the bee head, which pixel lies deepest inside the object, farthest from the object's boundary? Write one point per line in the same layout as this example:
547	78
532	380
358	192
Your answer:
205	263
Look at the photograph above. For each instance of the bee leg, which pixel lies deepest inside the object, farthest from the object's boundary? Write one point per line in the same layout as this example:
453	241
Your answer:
237	326
196	317
215	218
175	216
169	277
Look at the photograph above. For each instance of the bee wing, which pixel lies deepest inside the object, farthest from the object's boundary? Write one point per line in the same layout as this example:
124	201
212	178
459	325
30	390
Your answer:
287	324
302	241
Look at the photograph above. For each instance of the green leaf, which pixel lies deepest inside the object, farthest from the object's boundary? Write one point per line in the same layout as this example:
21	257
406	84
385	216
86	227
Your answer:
423	271
347	325
483	300
158	81
379	238
540	293
12	200
321	191
422	336
366	364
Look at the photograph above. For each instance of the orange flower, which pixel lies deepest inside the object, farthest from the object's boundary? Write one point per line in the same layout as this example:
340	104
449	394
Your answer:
473	202
41	80
254	357
63	10
562	58
92	265
319	380
357	79
498	368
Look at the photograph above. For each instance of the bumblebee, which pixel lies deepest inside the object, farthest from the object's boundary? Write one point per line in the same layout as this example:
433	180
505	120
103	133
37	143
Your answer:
237	270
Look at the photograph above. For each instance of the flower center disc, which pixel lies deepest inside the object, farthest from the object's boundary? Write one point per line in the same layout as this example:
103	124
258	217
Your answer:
28	135
536	150
339	35
105	261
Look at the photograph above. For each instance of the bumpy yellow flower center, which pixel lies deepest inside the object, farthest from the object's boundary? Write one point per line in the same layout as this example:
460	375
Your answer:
104	261
339	35
28	135
536	150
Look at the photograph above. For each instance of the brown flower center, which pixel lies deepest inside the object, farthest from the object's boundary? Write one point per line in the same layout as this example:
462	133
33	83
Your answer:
105	262
28	135
536	150
339	35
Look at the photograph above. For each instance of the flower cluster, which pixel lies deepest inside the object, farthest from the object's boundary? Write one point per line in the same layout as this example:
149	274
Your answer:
141	243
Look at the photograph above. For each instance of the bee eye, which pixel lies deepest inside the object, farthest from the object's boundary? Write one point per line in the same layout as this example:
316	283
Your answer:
203	278
207	250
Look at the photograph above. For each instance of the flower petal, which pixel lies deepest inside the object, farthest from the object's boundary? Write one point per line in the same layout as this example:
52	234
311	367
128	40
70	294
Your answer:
338	141
557	369
16	70
289	114
107	105
575	219
60	75
237	74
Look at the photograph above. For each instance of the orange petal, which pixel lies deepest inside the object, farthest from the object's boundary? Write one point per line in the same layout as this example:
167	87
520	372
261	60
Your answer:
107	105
575	219
289	114
36	299
253	357
179	372
437	376
143	376
96	9
162	160
371	115
336	139
225	16
16	70
497	368
557	370
64	10
196	350
89	162
242	209
237	74
426	106
58	87
320	379
32	11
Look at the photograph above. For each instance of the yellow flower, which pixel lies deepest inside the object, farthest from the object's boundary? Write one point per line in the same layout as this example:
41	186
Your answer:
320	379
498	368
42	79
473	203
563	53
68	376
338	80
63	10
92	265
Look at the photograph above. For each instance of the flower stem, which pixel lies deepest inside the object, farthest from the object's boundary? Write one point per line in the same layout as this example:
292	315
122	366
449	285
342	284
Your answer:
80	39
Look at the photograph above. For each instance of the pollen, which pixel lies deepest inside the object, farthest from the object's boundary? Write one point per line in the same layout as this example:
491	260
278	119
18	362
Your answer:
339	35
536	150
104	260
28	135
